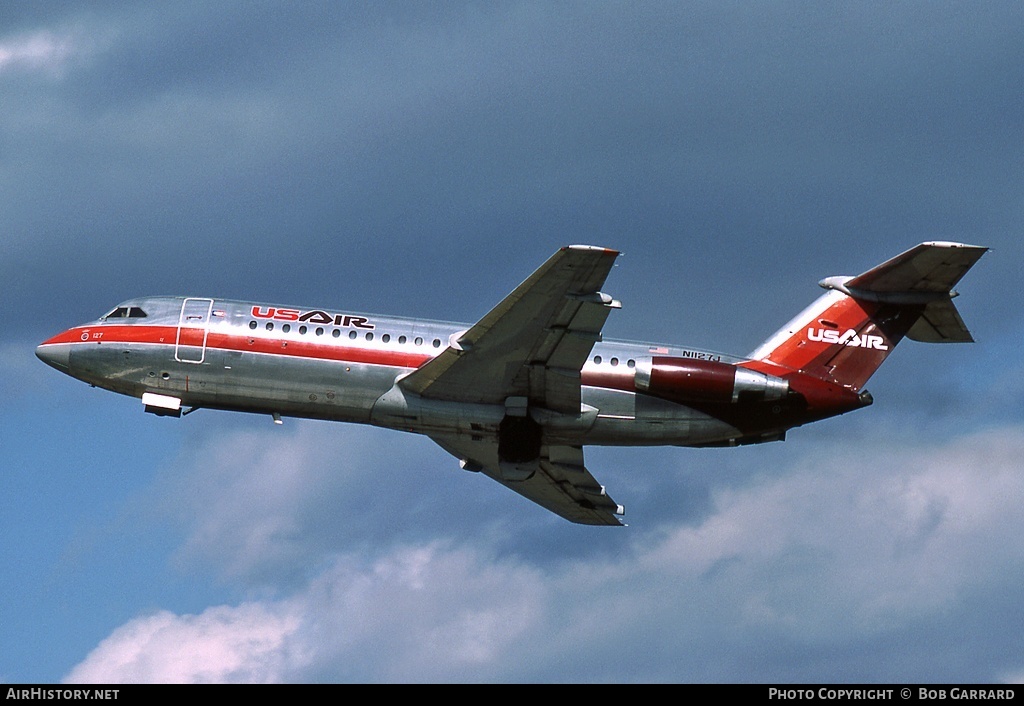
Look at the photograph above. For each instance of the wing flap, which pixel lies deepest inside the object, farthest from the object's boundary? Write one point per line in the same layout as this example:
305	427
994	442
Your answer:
560	482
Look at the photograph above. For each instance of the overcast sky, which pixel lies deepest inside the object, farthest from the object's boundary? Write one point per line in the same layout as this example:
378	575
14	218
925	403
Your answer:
422	159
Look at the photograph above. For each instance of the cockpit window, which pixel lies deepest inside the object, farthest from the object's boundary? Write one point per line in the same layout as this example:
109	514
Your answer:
126	312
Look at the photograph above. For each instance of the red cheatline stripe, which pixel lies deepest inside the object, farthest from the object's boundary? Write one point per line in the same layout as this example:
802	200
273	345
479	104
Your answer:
167	335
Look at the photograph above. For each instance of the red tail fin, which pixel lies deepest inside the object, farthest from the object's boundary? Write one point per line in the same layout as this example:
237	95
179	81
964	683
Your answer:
840	338
847	333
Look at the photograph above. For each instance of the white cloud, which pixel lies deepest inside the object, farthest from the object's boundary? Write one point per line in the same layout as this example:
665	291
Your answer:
850	545
1016	677
247	643
419	608
353	622
886	533
268	501
39	51
242	494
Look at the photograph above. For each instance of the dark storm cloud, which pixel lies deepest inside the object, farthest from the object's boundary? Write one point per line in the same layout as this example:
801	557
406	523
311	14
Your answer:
190	147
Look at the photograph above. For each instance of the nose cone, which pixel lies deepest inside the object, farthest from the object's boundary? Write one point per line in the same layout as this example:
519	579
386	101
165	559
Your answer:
56	355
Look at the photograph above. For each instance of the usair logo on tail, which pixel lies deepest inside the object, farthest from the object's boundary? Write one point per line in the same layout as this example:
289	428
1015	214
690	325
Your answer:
850	338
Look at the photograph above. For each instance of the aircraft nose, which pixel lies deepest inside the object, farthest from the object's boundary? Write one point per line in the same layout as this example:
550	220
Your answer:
56	355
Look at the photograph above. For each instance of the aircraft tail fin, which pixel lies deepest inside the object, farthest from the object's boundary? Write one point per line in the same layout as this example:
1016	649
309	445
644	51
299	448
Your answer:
848	332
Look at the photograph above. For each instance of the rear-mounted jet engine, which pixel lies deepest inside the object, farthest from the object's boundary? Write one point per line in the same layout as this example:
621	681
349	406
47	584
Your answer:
686	380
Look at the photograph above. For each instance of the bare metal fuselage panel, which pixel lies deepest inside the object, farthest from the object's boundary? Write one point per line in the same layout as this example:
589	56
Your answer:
233	360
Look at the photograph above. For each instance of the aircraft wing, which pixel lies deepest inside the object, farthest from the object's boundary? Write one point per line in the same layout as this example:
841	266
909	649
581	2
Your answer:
531	346
533	343
560	483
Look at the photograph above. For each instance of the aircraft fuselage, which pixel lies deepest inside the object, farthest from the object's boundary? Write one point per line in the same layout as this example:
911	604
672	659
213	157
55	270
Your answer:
325	364
518	394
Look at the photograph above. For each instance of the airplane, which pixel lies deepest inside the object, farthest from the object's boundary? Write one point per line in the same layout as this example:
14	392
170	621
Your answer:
518	394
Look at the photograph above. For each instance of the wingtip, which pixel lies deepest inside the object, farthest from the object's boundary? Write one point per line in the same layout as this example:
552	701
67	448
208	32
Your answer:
598	248
952	244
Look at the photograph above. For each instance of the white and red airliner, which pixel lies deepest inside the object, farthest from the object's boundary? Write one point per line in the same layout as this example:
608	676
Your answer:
518	394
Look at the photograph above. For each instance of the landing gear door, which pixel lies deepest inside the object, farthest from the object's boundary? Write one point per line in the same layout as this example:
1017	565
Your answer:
193	328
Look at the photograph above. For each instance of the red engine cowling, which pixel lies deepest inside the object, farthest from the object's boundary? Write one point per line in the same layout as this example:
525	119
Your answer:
689	380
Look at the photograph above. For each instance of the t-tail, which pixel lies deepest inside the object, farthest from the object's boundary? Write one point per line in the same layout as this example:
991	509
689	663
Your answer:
846	334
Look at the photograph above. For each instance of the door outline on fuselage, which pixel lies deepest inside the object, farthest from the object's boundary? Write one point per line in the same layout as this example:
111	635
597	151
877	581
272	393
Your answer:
195	314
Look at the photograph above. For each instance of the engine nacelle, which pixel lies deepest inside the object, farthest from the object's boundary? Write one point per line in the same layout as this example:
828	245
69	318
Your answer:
688	380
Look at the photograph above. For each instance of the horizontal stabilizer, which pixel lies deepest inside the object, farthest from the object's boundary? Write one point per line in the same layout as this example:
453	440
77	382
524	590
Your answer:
923	276
926	268
847	333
